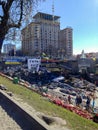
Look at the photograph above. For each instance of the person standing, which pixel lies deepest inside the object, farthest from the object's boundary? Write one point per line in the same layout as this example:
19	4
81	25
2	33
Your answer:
78	100
93	102
69	99
88	103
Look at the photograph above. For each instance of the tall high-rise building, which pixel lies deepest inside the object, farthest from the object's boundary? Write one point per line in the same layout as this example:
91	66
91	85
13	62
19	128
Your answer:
41	35
66	42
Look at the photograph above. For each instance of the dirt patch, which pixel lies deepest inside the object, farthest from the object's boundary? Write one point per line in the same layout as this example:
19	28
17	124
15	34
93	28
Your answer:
48	120
53	120
55	123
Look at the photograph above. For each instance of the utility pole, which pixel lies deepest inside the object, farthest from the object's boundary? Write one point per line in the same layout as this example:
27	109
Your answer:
53	10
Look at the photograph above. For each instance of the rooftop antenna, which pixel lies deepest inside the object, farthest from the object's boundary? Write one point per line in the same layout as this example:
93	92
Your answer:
53	10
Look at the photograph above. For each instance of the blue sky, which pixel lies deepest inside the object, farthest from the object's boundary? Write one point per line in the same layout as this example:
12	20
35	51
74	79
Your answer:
82	16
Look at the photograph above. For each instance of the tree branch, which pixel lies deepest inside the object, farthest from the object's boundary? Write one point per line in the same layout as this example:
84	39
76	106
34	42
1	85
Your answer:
14	25
3	3
21	12
21	15
1	16
8	5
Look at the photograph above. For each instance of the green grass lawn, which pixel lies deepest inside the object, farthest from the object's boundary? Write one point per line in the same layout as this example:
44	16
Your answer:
38	102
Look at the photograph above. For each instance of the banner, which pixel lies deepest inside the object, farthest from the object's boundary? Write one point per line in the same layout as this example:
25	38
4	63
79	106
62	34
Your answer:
13	62
34	64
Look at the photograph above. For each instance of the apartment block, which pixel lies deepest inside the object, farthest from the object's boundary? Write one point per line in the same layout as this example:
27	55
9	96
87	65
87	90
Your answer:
66	42
42	35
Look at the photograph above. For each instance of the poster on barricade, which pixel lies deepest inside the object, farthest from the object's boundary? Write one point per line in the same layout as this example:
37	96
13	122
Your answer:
34	64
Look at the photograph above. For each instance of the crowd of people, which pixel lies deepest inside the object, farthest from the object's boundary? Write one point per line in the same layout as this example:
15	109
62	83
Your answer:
88	103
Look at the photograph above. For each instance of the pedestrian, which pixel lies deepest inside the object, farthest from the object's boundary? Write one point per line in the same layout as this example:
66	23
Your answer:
93	102
69	99
88	103
78	100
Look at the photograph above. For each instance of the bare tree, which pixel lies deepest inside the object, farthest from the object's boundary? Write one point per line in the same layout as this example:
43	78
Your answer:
13	13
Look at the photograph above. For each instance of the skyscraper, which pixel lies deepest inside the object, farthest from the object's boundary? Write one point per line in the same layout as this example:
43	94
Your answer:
66	42
41	35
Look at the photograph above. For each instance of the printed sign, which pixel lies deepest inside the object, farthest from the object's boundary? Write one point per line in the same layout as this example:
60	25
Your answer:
34	64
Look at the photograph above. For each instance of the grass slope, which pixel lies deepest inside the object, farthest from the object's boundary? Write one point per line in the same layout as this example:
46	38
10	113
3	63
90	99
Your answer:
38	102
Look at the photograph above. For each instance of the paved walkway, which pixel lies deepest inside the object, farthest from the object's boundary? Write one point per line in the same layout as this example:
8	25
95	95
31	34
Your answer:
6	122
9	118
